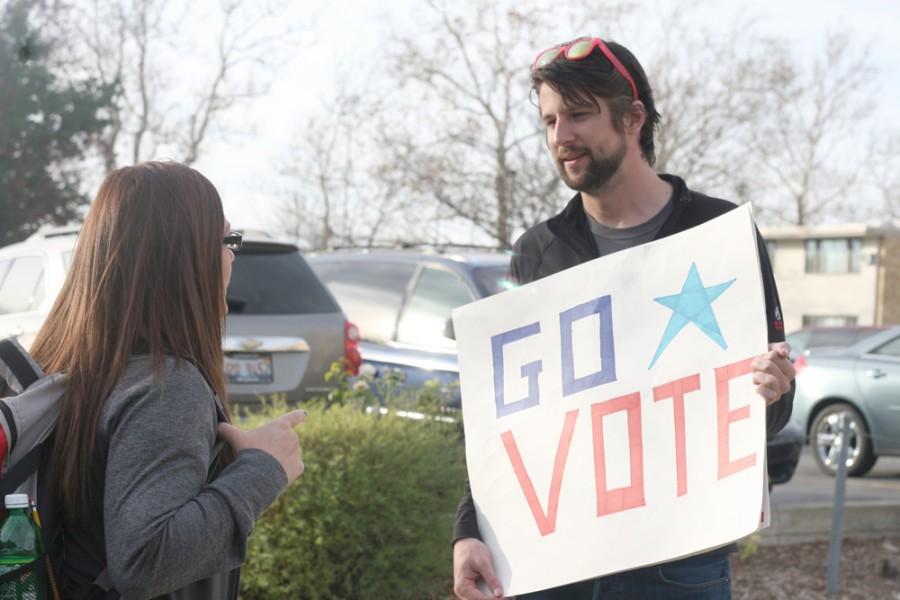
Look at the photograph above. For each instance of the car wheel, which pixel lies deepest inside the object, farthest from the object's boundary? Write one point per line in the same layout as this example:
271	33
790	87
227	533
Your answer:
825	436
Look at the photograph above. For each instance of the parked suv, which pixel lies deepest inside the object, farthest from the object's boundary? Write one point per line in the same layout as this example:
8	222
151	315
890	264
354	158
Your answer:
283	331
403	299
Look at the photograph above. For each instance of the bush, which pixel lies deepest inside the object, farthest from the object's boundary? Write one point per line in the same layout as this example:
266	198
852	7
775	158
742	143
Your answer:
372	515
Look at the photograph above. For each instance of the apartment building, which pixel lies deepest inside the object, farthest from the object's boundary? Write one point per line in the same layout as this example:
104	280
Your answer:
836	274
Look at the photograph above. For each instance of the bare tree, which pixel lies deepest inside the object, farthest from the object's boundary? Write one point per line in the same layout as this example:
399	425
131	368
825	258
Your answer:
812	147
884	173
476	144
321	172
746	118
708	87
338	193
455	144
173	84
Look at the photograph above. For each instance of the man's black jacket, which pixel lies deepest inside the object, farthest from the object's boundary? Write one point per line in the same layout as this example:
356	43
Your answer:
566	240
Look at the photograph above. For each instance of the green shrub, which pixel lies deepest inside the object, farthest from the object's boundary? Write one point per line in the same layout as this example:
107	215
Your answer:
749	546
370	518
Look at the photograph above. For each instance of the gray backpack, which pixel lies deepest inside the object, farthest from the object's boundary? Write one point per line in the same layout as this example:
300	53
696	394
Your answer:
29	408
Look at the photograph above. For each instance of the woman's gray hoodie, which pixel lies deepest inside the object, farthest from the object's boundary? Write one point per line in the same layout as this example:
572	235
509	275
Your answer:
170	527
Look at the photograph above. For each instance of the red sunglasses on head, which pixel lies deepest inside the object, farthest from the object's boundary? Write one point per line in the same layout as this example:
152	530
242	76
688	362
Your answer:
580	49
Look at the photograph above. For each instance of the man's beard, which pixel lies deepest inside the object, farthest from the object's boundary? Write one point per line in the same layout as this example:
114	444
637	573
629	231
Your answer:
597	173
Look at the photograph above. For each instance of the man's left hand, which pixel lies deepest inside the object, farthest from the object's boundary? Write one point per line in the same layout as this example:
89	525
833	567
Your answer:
773	372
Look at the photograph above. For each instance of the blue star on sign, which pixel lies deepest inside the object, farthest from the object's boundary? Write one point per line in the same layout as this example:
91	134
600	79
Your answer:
692	305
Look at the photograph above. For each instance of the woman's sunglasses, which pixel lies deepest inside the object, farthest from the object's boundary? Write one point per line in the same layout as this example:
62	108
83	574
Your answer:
233	241
580	49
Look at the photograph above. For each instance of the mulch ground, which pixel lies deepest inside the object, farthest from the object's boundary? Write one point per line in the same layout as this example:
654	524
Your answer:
869	570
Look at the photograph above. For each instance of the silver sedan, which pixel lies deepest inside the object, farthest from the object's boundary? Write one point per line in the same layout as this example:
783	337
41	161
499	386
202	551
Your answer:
860	383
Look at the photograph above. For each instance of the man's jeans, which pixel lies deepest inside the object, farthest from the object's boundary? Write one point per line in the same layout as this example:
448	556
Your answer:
702	577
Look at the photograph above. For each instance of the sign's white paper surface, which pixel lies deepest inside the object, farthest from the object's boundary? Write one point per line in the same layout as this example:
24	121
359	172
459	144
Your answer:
610	417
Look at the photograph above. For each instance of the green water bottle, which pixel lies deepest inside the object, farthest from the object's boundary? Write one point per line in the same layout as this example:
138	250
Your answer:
20	545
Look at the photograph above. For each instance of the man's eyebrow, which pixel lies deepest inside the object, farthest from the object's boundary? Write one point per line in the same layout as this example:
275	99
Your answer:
572	107
579	106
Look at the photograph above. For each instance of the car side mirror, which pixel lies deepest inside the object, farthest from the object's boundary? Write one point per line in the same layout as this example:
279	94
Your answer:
449	332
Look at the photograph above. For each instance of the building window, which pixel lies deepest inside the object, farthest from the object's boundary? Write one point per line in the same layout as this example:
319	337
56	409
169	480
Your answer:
828	320
839	255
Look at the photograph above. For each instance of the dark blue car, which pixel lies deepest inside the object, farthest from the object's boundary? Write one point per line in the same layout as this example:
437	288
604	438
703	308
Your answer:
402	301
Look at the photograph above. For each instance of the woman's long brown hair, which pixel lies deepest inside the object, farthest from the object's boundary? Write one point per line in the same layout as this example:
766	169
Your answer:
147	272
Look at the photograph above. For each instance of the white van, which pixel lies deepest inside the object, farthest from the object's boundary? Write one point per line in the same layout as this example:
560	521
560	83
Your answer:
31	274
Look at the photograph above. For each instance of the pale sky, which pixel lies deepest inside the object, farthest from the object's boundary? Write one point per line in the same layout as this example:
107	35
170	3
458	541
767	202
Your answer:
243	168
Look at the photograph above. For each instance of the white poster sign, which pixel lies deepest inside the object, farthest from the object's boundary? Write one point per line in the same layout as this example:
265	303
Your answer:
610	417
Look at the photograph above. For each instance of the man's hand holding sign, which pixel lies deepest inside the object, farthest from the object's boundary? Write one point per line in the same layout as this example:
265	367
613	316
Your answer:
773	372
613	421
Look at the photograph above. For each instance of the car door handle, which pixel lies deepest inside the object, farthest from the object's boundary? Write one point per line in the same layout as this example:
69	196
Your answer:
876	373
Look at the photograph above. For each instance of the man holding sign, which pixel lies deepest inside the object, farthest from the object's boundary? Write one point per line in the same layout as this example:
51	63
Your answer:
598	111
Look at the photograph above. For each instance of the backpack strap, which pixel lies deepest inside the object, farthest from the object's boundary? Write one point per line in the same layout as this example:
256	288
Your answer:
103	581
215	459
27	466
10	425
17	368
100	589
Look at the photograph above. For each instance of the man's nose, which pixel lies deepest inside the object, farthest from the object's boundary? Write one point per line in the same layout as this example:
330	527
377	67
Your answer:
563	133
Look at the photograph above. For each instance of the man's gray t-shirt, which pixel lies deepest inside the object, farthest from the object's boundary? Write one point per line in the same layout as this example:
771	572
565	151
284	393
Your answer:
611	239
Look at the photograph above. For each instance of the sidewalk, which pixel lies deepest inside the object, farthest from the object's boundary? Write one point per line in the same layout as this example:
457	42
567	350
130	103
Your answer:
798	523
802	508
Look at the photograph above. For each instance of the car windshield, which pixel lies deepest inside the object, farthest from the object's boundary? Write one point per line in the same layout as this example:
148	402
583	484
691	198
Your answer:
491	280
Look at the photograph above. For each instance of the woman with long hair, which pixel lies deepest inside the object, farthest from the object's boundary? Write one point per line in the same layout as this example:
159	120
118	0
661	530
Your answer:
137	328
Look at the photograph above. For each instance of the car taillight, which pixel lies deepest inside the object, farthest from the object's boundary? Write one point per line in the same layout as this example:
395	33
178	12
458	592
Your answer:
799	363
352	358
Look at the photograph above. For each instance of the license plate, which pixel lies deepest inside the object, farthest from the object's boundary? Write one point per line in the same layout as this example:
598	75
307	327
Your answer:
248	368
